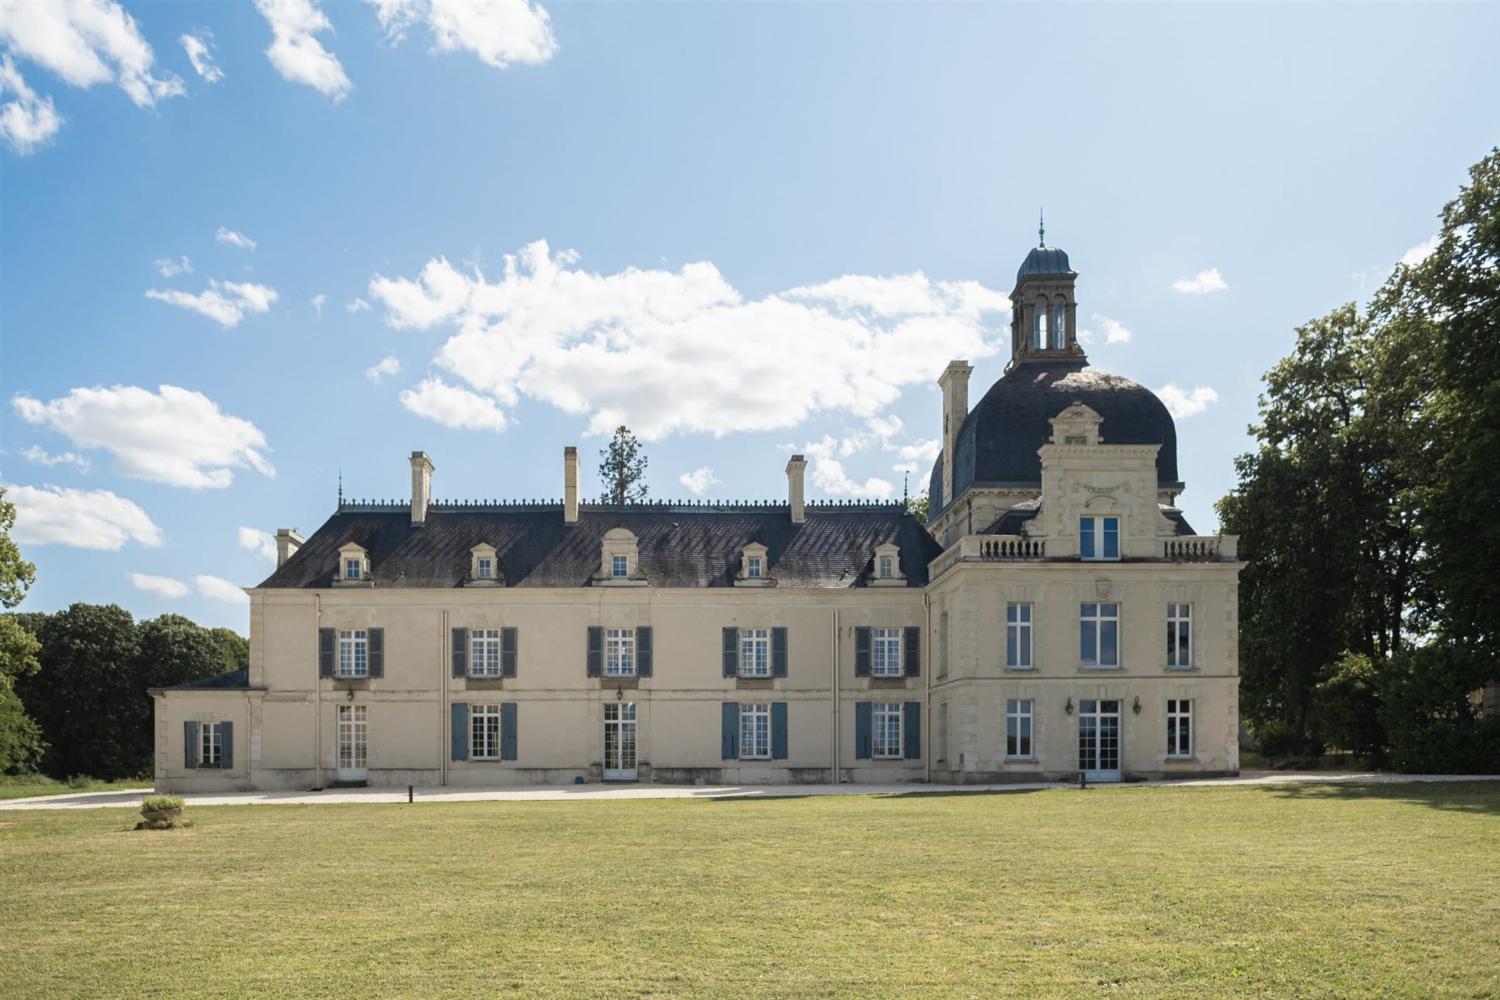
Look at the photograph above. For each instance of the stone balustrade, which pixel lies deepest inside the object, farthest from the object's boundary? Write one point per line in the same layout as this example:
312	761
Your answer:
1020	548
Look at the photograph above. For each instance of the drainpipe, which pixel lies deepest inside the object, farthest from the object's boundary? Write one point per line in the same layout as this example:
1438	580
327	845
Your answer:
318	701
833	693
444	715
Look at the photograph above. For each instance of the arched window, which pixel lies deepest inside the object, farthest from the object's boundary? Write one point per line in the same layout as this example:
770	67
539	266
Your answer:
1039	325
1059	324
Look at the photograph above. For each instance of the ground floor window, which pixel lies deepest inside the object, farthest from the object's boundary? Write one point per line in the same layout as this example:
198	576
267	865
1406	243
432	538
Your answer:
755	732
886	725
1018	727
210	745
352	730
484	732
1179	727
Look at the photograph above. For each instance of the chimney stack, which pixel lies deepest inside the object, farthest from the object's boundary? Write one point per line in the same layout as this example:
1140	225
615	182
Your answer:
955	385
421	487
287	544
794	469
570	485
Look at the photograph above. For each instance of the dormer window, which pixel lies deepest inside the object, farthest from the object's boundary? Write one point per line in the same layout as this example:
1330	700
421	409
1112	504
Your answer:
352	568
753	567
885	570
619	560
1099	538
484	569
887	567
619	567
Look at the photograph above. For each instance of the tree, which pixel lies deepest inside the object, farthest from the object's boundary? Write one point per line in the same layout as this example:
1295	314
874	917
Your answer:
20	737
623	468
917	508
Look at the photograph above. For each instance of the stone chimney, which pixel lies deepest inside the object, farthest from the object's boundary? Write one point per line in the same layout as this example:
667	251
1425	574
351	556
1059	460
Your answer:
570	485
955	385
794	469
421	487
287	544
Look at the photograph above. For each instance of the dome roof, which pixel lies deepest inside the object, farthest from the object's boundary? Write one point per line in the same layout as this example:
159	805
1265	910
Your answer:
998	441
1044	260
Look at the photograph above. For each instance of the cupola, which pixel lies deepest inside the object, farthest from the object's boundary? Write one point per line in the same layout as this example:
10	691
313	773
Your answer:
1044	312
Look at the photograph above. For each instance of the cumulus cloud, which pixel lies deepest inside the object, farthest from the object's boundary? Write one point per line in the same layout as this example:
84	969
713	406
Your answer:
220	589
1202	283
86	42
829	476
224	302
162	586
85	519
262	543
26	121
317	303
1185	403
356	306
169	268
452	406
299	56
385	366
199	49
1421	251
41	457
174	436
683	351
230	237
1114	331
500	32
699	481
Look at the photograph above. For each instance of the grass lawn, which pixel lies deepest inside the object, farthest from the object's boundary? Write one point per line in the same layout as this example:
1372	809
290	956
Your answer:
27	785
1298	891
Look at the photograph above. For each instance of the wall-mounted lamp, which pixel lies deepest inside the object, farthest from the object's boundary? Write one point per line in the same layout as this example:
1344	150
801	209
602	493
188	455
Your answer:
619	692
1069	706
349	695
1136	705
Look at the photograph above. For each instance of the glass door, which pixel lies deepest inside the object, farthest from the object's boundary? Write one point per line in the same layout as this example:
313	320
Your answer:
619	741
351	745
1099	740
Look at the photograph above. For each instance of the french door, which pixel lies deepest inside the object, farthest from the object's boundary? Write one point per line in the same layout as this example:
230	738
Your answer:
619	741
351	743
1099	739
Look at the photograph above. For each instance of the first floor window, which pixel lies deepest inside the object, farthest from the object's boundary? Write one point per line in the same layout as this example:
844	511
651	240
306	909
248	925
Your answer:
354	653
1018	727
755	732
1179	635
755	652
1099	635
484	732
887	652
1099	537
886	722
210	745
1018	635
1179	727
619	650
484	652
619	566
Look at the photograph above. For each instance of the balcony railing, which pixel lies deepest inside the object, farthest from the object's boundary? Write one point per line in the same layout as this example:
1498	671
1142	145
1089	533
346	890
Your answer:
1020	548
1200	548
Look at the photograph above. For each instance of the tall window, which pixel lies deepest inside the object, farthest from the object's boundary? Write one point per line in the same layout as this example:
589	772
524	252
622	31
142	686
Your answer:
752	567
619	566
354	653
755	732
1099	635
1099	537
887	567
886	647
484	568
1018	635
351	569
484	652
1179	635
1179	727
484	732
619	650
886	739
1018	727
1039	325
210	745
755	652
1059	325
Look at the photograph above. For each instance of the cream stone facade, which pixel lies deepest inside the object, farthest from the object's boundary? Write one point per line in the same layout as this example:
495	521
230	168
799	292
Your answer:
1059	618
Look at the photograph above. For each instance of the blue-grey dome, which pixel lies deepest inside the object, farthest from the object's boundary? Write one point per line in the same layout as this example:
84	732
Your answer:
1044	260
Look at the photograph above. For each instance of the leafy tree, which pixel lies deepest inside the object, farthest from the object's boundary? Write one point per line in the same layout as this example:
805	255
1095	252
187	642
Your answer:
1348	701
20	737
234	650
622	468
1428	710
917	507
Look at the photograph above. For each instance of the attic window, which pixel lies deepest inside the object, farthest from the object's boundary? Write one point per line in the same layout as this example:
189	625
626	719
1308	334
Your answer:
351	569
484	569
887	567
753	567
619	566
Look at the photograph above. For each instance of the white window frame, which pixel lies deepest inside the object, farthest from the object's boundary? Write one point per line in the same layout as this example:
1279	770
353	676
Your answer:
755	652
755	731
1179	636
354	652
484	652
484	732
210	745
619	652
1097	532
353	567
1179	727
887	567
753	566
1098	620
484	568
881	714
885	652
1020	729
1019	636
619	566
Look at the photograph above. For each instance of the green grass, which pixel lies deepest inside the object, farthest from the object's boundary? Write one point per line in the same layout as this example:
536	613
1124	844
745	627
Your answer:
24	786
1301	891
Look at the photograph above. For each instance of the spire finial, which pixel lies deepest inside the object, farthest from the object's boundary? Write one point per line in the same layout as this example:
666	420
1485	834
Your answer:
341	486
1041	228
905	491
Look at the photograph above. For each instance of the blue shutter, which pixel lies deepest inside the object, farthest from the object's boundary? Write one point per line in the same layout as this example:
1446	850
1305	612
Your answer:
377	652
226	745
911	726
729	743
190	744
731	649
508	731
1086	537
778	730
911	656
778	651
326	642
460	730
862	726
1111	538
862	651
596	650
643	651
509	651
460	652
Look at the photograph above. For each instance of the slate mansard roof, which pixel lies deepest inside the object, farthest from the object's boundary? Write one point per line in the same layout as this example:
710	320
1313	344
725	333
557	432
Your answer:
678	546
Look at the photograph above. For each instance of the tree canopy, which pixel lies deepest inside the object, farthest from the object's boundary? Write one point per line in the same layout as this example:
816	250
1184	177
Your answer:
622	468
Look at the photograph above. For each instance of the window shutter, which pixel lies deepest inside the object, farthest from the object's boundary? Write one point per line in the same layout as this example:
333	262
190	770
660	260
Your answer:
377	652
460	652
596	650
778	730
190	744
509	651
643	651
226	745
326	641
911	656
862	651
508	731
911	727
778	651
862	720
730	742
460	730
731	652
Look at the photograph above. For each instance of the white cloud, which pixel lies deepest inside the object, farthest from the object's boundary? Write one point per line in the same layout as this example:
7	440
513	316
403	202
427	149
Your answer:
318	302
232	238
829	476
1421	251
199	52
452	406
1185	404
262	543
1114	331
162	586
224	302
174	436
40	457
85	519
220	589
668	352
1202	283
500	32
29	120
169	268
296	54
385	366
924	452
700	480
86	42
356	306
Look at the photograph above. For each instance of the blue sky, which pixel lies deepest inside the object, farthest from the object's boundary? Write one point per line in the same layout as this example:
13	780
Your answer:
741	229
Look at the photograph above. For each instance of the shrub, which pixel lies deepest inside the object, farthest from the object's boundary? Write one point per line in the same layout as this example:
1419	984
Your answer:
1277	739
1427	707
1348	704
161	803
